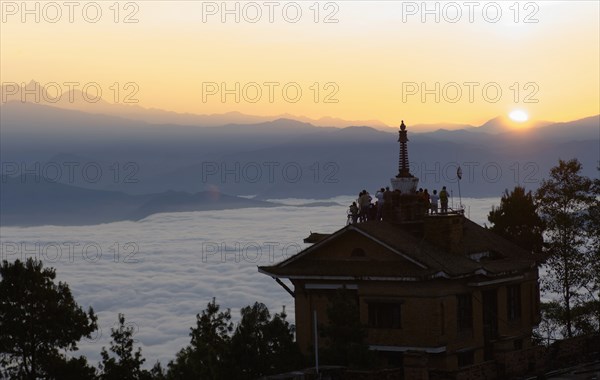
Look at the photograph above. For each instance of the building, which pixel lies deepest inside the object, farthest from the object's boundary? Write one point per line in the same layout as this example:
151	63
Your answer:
436	291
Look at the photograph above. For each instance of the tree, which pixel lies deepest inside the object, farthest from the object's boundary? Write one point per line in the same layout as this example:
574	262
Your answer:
262	346
259	346
517	220
345	333
553	317
205	357
593	253
250	343
285	353
157	372
71	369
37	319
563	202
547	331
126	364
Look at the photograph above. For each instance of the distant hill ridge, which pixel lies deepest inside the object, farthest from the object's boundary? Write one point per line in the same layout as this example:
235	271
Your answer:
25	202
138	158
75	100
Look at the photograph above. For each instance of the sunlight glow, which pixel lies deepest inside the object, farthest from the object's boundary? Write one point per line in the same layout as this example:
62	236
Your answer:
519	116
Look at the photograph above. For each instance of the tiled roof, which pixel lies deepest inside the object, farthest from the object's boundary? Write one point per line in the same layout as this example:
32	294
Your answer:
431	260
339	268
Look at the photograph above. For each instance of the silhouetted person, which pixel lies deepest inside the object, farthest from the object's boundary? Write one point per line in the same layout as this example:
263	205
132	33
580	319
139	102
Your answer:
434	198
380	202
364	202
444	200
354	212
388	207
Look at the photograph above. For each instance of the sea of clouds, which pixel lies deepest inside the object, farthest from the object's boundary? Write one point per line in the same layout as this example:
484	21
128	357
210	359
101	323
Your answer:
163	270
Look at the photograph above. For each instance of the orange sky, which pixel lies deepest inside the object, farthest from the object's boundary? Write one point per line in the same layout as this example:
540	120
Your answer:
373	63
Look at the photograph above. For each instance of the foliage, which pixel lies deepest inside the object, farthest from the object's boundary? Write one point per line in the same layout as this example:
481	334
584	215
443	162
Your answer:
205	357
259	346
517	220
71	369
592	230
345	335
125	364
563	202
285	354
262	345
553	326
549	328
37	319
250	343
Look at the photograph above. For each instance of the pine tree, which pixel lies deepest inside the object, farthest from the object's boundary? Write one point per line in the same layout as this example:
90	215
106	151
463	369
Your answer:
593	252
37	319
262	345
563	202
517	220
124	364
206	356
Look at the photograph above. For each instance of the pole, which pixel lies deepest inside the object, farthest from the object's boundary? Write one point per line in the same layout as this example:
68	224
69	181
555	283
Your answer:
459	196
459	177
316	342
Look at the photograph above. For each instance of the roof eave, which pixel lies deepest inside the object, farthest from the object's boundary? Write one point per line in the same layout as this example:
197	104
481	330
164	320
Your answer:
494	277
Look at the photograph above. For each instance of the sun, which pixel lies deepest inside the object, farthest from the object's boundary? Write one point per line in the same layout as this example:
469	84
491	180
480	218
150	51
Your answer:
519	116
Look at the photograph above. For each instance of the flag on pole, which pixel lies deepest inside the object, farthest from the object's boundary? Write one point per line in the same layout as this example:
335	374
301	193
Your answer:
459	173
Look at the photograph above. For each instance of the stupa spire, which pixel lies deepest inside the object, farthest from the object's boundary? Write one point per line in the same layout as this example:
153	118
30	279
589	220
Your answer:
403	164
404	181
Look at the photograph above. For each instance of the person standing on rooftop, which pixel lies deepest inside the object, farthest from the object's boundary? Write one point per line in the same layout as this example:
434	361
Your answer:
380	201
444	200
364	201
434	198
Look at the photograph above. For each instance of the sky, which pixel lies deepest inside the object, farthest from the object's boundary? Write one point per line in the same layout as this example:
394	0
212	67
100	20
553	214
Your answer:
428	62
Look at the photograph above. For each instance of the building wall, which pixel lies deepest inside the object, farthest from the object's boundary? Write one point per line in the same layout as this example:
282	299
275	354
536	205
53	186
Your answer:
428	316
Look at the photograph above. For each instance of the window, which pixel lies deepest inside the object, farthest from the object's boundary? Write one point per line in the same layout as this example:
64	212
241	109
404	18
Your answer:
385	315
489	303
466	358
513	302
465	312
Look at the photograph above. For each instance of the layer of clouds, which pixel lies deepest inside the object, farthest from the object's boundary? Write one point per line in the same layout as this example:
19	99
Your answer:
163	270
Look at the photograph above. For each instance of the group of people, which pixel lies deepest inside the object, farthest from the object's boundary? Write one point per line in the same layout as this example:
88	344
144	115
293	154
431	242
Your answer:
431	200
363	209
